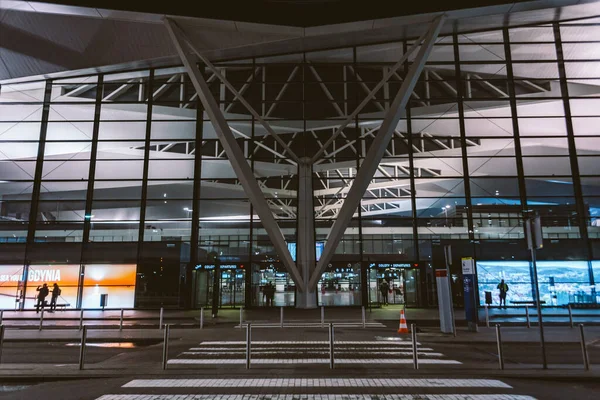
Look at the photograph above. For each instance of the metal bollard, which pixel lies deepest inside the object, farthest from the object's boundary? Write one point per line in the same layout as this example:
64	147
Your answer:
241	316
281	317
1	340
248	344
487	316
1	316
322	317
160	319
81	320
570	316
527	316
499	342
41	319
586	358
201	317
121	321
413	333
82	347
165	355
331	347
364	318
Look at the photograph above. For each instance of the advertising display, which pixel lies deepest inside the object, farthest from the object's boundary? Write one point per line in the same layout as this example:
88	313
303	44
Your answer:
559	281
115	280
66	276
10	276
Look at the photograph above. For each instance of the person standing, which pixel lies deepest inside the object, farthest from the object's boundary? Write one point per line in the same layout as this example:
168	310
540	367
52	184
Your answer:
55	293
503	288
384	288
272	290
41	297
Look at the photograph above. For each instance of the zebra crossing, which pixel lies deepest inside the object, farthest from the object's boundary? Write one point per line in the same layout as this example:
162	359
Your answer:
301	388
309	352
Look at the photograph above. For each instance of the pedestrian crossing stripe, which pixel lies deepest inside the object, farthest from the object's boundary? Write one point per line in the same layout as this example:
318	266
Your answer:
305	351
314	397
292	342
310	361
317	382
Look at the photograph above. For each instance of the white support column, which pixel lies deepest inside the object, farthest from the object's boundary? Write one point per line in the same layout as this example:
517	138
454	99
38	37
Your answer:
235	155
306	298
376	150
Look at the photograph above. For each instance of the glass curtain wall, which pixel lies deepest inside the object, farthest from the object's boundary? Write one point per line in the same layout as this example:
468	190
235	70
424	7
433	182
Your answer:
126	169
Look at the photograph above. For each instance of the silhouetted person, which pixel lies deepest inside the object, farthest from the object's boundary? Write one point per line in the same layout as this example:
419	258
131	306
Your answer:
41	297
272	294
55	293
503	288
384	288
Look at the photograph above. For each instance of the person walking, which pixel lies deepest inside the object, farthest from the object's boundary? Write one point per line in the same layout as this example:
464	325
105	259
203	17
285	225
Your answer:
384	288
503	288
55	293
41	297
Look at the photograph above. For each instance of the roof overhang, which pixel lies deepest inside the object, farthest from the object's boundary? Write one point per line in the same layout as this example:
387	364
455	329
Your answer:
241	40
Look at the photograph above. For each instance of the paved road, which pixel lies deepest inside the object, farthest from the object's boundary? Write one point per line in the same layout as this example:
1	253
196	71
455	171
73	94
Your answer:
305	386
211	363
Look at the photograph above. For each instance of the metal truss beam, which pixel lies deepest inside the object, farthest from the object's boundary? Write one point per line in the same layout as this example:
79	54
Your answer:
235	154
120	90
376	150
367	99
236	93
244	87
281	92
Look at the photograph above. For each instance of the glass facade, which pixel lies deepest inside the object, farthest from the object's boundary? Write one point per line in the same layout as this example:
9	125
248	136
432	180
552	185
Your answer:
103	171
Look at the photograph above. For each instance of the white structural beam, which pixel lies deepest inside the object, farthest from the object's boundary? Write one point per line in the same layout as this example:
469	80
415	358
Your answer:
367	99
166	86
237	95
235	155
376	151
281	92
244	87
306	233
120	90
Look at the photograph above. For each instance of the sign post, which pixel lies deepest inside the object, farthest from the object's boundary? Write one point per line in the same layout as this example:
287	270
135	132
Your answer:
448	257
468	271
444	301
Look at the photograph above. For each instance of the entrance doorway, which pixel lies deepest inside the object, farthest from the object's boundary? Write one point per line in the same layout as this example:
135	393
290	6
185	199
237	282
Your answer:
231	284
274	274
340	285
402	283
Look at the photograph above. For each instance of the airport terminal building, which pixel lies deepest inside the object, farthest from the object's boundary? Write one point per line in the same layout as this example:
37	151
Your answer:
179	161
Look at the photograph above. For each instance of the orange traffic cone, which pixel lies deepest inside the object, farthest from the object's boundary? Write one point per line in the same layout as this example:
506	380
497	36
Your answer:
403	328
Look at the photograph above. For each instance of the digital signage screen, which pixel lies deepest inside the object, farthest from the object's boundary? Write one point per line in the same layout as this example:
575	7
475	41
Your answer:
115	280
559	281
118	281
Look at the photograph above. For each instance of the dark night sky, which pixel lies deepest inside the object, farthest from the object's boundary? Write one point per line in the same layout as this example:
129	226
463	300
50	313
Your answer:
287	12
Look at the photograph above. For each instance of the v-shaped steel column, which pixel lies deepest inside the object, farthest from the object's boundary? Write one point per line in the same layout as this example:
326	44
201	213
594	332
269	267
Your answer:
235	154
376	150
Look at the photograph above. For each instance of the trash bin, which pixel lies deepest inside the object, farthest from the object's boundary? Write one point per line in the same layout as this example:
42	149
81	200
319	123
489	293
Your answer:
488	298
103	300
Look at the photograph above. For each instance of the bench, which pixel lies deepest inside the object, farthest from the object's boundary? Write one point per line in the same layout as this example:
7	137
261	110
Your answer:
62	306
